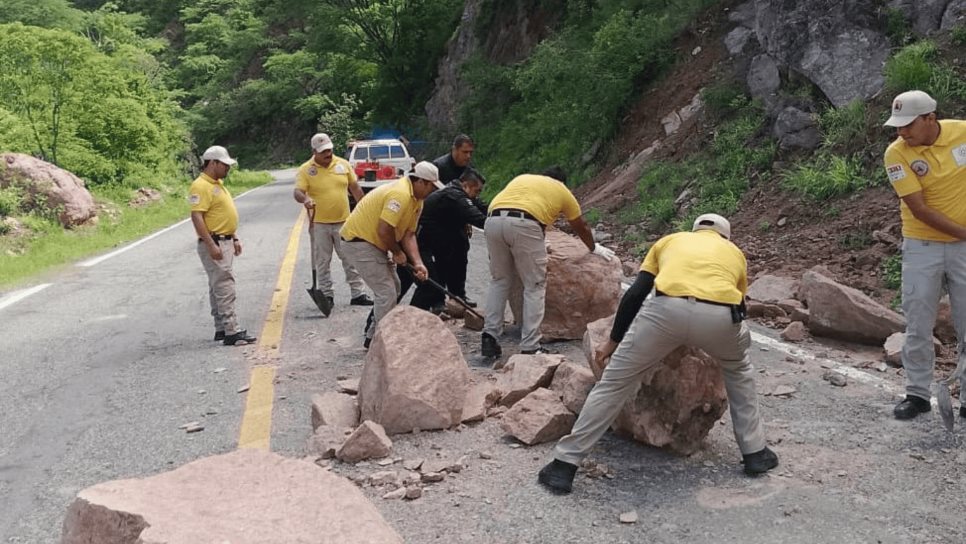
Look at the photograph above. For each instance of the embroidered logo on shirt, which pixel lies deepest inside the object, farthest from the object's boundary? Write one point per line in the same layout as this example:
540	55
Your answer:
920	167
194	199
340	169
216	191
313	170
896	172
959	154
394	205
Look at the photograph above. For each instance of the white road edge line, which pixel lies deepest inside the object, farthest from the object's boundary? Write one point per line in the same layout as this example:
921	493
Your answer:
98	260
16	296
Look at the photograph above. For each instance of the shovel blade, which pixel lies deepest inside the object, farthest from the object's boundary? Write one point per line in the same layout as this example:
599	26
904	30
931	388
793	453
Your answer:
320	300
945	402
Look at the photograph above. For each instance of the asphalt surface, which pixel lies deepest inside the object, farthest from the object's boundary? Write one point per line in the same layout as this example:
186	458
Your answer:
102	368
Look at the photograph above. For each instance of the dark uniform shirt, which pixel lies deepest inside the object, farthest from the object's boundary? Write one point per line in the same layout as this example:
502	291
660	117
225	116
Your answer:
448	170
447	212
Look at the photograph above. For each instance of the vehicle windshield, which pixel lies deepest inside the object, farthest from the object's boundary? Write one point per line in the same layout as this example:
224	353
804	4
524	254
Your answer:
377	152
398	152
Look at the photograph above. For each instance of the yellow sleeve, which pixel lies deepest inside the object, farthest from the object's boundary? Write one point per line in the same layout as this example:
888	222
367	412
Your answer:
650	263
352	173
902	178
199	198
743	276
570	208
302	180
394	209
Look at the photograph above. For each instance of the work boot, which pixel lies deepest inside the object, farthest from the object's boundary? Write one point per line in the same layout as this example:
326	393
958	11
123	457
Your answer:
759	462
361	300
490	347
470	303
366	342
219	336
241	336
911	407
558	477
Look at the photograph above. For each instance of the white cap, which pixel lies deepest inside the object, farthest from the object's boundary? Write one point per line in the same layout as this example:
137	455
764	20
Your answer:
428	171
713	221
321	142
909	105
220	154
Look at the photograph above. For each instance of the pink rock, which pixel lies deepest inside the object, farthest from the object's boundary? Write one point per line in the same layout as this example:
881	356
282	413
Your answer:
770	311
479	399
525	373
837	311
368	441
573	382
540	417
245	497
581	287
945	330
335	409
795	332
677	405
326	440
893	345
415	375
772	289
57	188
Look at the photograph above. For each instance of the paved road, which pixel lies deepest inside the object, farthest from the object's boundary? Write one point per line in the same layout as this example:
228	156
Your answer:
101	368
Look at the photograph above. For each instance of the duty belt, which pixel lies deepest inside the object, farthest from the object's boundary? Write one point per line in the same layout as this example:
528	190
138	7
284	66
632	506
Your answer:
696	299
220	237
509	212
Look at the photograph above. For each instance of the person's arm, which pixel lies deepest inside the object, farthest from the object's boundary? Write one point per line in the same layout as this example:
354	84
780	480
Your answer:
470	212
629	305
582	229
387	235
356	190
932	217
198	220
411	247
303	198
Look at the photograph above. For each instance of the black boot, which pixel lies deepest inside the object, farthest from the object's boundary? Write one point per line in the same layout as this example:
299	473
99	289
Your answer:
490	347
911	407
558	477
760	461
240	337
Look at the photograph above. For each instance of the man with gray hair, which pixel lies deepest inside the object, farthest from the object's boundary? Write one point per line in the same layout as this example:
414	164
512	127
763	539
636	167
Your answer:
926	165
700	279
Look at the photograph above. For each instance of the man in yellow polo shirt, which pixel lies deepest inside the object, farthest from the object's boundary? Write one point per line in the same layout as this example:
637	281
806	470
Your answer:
701	280
215	219
381	233
518	216
322	185
926	165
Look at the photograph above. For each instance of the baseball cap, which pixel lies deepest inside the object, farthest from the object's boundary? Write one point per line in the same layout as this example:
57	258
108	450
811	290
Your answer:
713	221
909	105
428	171
218	153
321	142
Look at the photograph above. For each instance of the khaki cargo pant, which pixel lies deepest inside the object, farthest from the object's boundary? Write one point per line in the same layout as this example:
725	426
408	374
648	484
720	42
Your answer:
518	256
379	273
325	239
221	285
662	325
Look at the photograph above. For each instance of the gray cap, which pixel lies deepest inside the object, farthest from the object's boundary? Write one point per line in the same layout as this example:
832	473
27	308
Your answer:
713	221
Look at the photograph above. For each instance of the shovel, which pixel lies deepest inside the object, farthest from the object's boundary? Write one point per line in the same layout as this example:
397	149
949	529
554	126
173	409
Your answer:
446	292
318	297
943	398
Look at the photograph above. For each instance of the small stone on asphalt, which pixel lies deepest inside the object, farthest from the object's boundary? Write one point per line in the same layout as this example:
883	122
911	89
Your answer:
629	517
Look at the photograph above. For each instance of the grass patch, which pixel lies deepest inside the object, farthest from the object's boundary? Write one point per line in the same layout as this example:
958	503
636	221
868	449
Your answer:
827	176
47	245
918	66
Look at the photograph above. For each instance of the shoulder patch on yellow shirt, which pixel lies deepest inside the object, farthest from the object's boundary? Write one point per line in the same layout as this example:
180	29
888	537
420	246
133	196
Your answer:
394	205
959	154
920	167
896	172
313	170
194	199
340	169
215	191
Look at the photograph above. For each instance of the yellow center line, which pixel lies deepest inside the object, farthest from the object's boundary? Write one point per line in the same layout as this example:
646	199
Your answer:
256	427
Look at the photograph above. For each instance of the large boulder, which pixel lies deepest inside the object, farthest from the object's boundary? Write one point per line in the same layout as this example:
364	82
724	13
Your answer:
244	497
581	287
678	403
540	417
838	311
573	382
836	45
414	376
772	289
49	186
925	16
796	129
525	373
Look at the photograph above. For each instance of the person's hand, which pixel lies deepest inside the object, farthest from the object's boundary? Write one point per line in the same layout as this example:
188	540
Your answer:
215	251
399	257
469	231
238	247
604	252
602	355
308	203
420	272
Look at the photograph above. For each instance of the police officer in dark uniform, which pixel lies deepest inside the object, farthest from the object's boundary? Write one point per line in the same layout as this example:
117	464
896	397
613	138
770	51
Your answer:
443	238
452	164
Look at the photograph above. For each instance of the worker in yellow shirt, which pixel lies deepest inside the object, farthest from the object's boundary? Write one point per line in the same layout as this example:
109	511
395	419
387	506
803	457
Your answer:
926	165
322	185
517	218
380	233
700	279
215	219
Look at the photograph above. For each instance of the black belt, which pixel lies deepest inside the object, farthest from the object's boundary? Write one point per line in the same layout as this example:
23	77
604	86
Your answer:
352	239
509	212
696	299
220	237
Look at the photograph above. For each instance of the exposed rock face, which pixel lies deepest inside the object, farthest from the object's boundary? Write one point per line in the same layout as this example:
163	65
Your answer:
335	409
540	417
443	106
368	441
55	188
581	287
573	383
926	16
677	404
955	15
796	129
832	43
772	289
524	374
838	311
415	375
244	497
763	78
